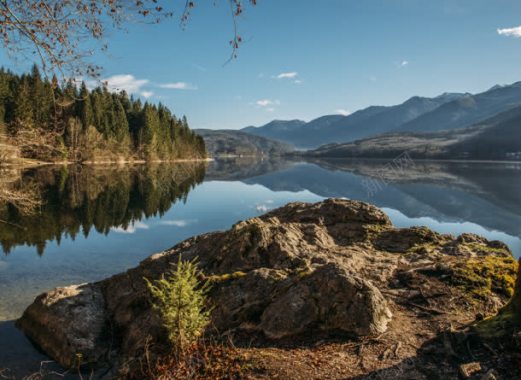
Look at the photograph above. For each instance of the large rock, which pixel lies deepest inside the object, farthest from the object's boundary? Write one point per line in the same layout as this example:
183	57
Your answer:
298	269
69	324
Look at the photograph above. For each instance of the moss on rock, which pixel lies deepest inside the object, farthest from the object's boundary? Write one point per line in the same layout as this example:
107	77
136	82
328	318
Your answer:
500	325
483	275
225	277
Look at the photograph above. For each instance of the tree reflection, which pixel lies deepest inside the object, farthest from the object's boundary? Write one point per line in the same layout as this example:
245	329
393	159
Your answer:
75	199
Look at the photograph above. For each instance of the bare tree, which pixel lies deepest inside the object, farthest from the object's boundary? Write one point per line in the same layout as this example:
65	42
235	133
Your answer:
65	34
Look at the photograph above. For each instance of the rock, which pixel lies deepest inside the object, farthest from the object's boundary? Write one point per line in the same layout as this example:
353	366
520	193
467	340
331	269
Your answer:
468	369
401	240
68	324
490	375
295	270
331	298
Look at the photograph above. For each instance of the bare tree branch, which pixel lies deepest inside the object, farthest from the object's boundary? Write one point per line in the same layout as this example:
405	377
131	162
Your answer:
65	34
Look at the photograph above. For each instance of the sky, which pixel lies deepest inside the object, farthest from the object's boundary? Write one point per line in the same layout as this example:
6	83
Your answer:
302	59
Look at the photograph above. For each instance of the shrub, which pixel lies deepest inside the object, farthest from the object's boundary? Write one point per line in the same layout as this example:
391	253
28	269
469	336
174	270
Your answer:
181	299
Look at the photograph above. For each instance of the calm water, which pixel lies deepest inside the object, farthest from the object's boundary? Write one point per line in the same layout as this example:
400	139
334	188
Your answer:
95	222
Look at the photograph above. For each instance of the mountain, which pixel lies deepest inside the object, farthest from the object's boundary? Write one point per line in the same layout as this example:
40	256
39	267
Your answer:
387	119
417	114
497	138
276	129
467	110
368	122
236	143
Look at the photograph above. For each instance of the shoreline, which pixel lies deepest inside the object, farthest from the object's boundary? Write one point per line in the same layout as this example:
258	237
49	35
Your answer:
28	163
454	160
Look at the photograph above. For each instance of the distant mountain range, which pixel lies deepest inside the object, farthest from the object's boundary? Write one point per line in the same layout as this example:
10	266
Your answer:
236	143
449	111
497	138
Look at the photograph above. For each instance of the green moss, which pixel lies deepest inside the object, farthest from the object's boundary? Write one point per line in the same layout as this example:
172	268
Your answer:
476	247
226	277
483	275
423	249
500	325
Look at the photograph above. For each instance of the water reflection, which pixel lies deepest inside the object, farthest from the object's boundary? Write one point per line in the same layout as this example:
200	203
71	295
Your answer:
76	199
486	194
117	199
97	221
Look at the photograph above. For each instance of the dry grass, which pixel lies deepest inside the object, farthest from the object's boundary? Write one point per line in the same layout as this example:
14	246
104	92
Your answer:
205	359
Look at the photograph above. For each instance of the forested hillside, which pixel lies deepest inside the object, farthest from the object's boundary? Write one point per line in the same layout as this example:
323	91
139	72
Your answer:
51	121
224	142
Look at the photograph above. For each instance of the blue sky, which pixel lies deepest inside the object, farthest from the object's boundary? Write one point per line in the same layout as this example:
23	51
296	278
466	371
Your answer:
307	58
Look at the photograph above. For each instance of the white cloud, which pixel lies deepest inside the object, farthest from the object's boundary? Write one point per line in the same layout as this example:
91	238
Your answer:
177	222
130	229
178	86
262	208
267	102
289	75
510	32
132	85
343	112
270	109
126	82
404	63
297	81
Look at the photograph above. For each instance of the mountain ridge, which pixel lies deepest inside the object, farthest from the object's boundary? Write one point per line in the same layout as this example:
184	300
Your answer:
447	111
497	138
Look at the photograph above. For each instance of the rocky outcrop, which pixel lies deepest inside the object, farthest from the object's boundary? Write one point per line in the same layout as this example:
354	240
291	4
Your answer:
301	268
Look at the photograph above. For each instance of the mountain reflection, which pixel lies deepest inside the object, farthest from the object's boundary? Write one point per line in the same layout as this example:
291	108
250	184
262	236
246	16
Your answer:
76	199
488	194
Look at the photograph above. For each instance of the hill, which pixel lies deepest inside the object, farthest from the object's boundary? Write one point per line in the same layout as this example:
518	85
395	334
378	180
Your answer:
281	130
237	143
497	138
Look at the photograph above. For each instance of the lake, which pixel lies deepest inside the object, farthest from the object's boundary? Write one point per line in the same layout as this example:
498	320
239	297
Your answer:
94	222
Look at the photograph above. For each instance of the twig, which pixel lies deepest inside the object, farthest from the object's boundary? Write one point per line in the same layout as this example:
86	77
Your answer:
494	352
428	309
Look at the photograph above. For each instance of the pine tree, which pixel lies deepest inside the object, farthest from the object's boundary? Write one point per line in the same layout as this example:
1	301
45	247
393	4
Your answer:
41	99
181	299
84	107
120	122
23	113
150	128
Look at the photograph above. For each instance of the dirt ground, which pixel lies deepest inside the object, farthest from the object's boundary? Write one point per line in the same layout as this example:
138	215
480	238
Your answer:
429	338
